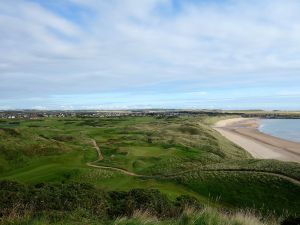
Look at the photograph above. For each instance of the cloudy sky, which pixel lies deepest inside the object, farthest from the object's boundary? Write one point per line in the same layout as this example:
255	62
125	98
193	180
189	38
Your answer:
117	54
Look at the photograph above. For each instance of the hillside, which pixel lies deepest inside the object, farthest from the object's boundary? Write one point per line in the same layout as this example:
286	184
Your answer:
176	156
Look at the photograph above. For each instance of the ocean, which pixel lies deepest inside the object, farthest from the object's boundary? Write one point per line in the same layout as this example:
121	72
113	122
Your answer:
288	129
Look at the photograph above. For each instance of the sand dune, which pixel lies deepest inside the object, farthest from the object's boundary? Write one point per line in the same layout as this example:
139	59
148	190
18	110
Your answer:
244	132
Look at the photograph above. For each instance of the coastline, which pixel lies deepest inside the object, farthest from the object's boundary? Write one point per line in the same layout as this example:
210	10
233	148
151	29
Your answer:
244	132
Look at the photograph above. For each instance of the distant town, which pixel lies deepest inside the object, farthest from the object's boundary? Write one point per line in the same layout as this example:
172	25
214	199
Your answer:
37	114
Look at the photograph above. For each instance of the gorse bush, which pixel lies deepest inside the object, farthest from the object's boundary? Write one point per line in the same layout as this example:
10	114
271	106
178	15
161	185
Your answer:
51	197
48	197
10	131
144	200
189	130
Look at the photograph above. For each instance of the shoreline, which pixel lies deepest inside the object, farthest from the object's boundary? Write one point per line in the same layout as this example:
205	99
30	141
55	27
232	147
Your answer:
244	133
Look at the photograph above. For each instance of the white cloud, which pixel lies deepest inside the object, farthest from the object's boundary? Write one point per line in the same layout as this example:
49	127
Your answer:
39	107
142	44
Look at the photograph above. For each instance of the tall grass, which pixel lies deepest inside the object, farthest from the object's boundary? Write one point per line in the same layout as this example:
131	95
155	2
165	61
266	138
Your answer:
207	216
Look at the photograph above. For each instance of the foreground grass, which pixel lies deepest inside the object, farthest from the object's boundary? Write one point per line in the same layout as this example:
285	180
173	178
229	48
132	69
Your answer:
207	216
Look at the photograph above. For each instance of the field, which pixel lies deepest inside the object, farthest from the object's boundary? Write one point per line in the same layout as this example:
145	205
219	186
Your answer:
177	156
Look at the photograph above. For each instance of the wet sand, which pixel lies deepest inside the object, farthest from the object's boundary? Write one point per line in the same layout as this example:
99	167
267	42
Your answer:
244	132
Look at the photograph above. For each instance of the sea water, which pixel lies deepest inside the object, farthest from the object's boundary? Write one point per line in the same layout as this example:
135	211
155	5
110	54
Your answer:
288	129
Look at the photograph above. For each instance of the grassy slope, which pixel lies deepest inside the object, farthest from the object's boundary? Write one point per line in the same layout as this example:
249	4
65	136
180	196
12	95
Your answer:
260	191
57	150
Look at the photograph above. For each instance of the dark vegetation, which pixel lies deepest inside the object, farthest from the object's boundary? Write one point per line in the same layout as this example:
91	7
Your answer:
57	200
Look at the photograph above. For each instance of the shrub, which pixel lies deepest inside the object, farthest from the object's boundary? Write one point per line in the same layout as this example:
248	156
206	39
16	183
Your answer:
126	203
64	138
189	130
49	197
150	200
291	221
186	201
11	131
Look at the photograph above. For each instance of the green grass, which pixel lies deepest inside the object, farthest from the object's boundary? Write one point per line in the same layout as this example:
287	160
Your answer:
246	190
57	150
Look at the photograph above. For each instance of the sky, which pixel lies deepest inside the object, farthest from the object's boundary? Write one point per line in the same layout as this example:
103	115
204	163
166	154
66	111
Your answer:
128	54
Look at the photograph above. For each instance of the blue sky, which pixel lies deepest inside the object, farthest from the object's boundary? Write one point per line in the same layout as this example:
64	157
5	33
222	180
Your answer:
120	54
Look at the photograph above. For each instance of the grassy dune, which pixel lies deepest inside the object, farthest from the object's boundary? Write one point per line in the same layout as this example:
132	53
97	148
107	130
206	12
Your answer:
177	156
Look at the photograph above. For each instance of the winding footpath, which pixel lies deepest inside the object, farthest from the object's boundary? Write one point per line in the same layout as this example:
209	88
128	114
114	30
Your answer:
100	158
126	172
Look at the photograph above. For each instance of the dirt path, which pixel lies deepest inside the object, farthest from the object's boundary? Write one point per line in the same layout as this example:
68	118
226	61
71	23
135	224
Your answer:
118	170
100	158
292	180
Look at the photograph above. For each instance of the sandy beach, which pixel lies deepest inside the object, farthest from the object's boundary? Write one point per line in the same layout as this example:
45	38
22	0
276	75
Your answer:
244	132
